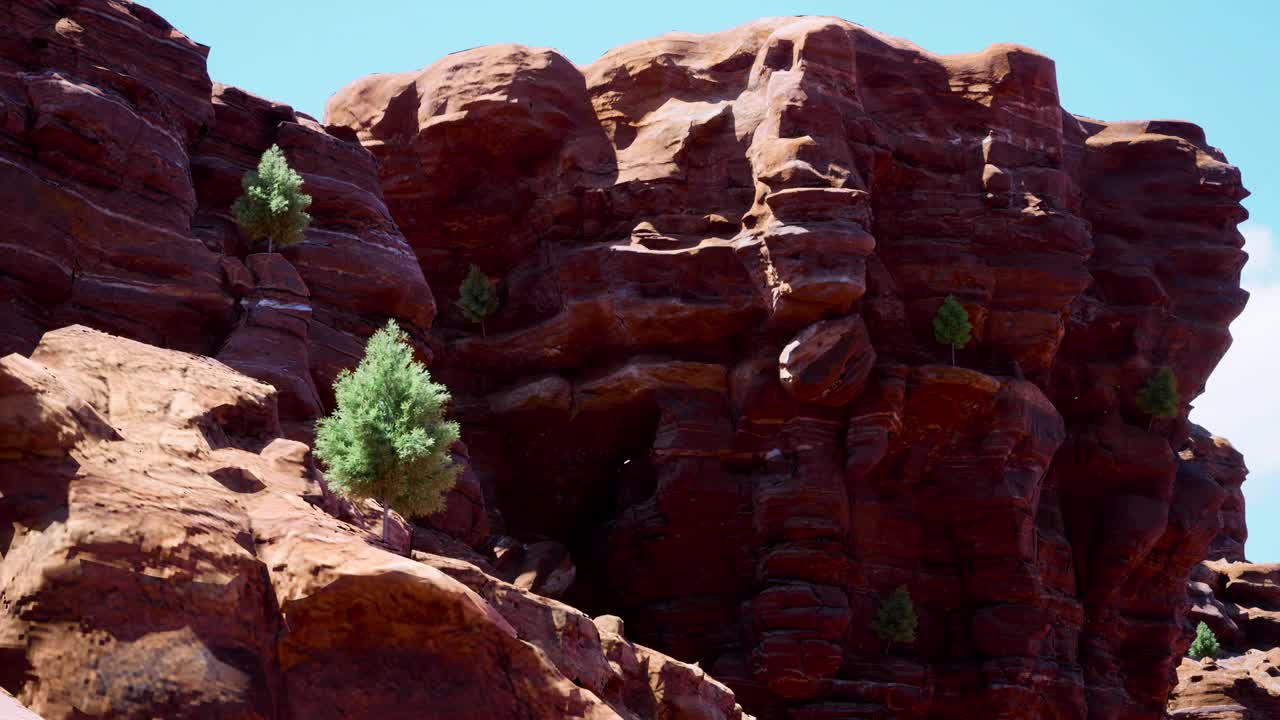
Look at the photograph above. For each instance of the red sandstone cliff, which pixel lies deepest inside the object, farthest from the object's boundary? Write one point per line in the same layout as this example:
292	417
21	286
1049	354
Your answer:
713	373
119	160
712	378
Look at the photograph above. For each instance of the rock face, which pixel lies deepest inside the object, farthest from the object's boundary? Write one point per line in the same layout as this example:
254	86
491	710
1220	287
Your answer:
710	408
164	553
1242	687
10	709
713	375
1240	602
124	159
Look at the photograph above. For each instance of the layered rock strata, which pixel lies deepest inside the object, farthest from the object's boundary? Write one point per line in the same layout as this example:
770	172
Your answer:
1240	602
119	161
713	374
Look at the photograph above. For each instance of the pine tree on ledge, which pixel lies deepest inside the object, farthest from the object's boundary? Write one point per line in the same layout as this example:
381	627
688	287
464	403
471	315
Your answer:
477	298
1158	398
387	437
895	621
1205	645
273	206
951	326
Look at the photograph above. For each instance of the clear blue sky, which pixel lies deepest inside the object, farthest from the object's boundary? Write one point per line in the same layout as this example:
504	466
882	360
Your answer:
1211	63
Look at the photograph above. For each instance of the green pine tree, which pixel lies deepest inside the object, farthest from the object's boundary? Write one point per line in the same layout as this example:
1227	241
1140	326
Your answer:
273	206
477	298
1159	396
388	438
896	619
1205	645
951	325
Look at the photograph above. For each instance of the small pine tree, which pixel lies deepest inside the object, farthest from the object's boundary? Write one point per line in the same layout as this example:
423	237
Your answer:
951	325
1159	396
1205	645
896	619
273	205
388	438
477	298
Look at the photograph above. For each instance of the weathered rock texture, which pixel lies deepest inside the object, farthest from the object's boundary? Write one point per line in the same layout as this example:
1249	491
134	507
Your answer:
164	553
11	709
713	375
119	160
1240	602
712	380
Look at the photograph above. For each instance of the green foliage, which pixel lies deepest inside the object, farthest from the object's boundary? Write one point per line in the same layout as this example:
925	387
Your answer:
1205	645
896	619
951	325
1159	396
388	438
273	206
477	298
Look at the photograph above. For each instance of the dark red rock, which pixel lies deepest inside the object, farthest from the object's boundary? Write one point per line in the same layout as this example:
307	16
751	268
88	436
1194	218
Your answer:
673	222
270	343
828	362
126	159
354	262
542	567
464	517
106	101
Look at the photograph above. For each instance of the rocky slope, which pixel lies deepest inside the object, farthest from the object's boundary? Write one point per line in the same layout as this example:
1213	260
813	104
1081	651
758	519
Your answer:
166	553
1240	601
712	379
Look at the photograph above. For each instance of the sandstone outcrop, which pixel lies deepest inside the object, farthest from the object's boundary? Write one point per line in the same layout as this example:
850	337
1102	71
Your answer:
710	408
713	375
10	709
1240	602
121	159
1242	687
165	553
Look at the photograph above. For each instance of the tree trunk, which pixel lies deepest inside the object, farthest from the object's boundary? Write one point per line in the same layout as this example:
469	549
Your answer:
953	356
386	519
483	334
271	245
1150	421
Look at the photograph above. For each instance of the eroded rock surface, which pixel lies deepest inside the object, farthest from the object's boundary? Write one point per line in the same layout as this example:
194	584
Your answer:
713	375
712	380
119	161
165	553
1240	687
1240	602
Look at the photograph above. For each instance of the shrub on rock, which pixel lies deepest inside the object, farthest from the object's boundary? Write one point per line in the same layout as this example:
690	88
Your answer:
388	438
273	206
951	325
1159	396
477	298
1205	645
896	622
